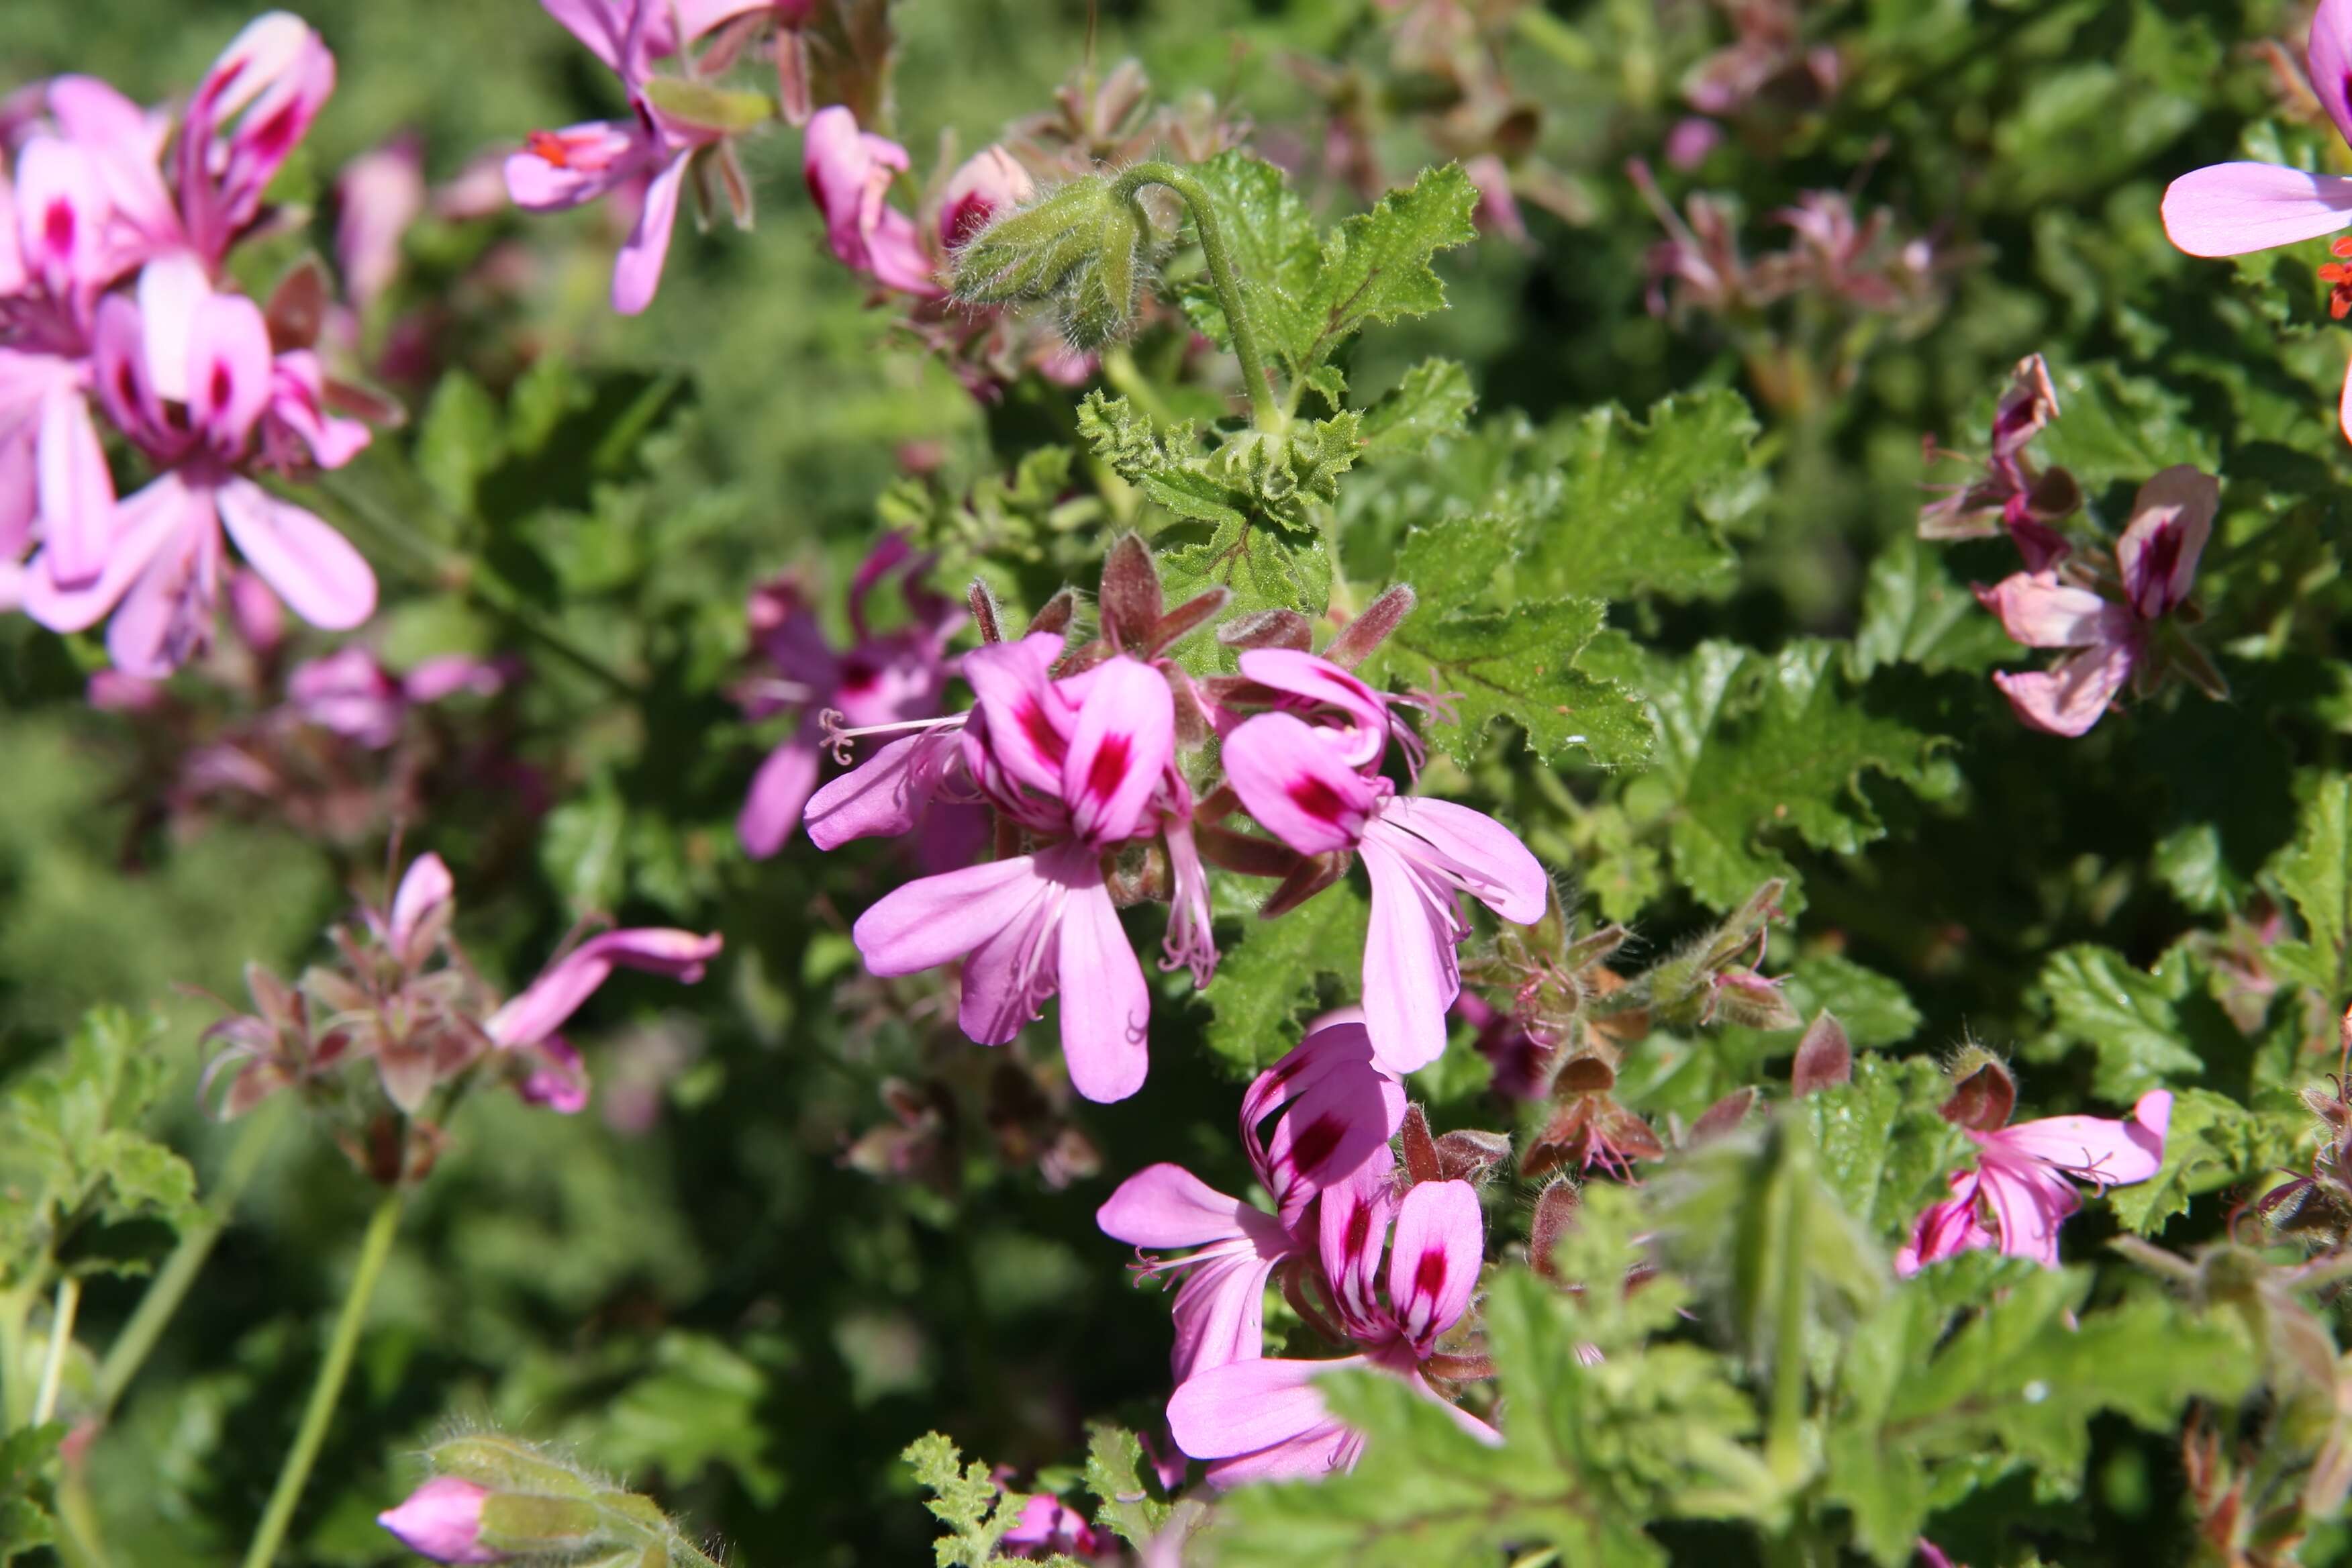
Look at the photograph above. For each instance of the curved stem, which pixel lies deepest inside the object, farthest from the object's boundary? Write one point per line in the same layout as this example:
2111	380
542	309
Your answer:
374	1249
170	1287
61	1326
1265	409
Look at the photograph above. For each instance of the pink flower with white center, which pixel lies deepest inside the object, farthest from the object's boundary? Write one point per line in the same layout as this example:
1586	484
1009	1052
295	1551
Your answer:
849	172
2106	641
2018	1196
442	1521
990	181
881	678
1080	763
1298	781
2230	209
580	163
1264	1419
189	377
1343	1110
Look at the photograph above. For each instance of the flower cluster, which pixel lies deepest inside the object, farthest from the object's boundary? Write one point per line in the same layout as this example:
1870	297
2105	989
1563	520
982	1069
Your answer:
1339	1201
115	229
403	998
1086	759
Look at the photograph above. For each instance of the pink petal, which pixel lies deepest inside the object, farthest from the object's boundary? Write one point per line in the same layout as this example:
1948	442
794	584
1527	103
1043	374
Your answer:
314	569
442	1520
144	523
896	257
2229	209
425	891
228	370
595	156
1029	719
558	992
2095	1148
988	183
1410	978
2172	518
126	142
1320	681
557	1078
2343	404
2329	54
166	614
1352	1227
779	792
2029	1202
77	493
1435	1258
1327	1447
637	272
1105	1006
2039	611
1247	1405
1485	857
1340	1120
61	214
1220	1311
1299	789
1167	1205
172	291
2074	693
934	919
1124	740
882	794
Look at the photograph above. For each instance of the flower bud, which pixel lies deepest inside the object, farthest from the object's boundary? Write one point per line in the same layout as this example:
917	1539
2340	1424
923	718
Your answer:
1824	1057
1983	1094
1081	246
989	183
442	1520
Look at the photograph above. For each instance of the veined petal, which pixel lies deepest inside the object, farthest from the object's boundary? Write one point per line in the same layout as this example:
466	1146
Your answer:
882	794
564	168
1944	1229
1029	719
2095	1148
2229	209
1410	976
2039	611
1435	1258
556	994
1168	1205
166	614
779	792
314	569
228	370
2029	1202
1485	857
1352	1229
934	919
1220	1312
637	271
1299	789
1105	1006
1124	740
2172	518
144	523
1340	1120
1247	1405
1319	680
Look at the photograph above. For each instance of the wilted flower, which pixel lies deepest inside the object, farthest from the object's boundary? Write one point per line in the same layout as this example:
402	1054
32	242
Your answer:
2012	491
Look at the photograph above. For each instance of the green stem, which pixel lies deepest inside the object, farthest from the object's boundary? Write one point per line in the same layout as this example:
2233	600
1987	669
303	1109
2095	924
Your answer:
170	1287
1784	1443
374	1249
1265	410
1554	38
61	1325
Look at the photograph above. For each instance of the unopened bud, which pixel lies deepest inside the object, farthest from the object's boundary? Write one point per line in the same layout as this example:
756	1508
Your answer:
1983	1094
1824	1058
1081	246
442	1520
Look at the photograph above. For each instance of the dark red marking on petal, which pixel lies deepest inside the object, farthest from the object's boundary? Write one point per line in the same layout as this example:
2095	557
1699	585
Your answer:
548	145
1429	1276
220	384
1108	770
276	133
1318	799
1312	1147
58	227
1041	733
1360	1229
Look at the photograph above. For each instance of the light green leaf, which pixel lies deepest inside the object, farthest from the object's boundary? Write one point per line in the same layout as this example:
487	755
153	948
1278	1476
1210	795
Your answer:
1433	401
1375	267
1518	665
1274	973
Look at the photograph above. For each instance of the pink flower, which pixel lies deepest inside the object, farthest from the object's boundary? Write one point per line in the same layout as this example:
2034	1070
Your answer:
989	183
2017	1197
2105	641
1082	763
2229	209
1343	1112
351	693
849	172
1692	138
442	1520
1050	1527
2012	492
242	123
1263	1419
1497	211
580	163
188	374
882	678
379	193
1303	785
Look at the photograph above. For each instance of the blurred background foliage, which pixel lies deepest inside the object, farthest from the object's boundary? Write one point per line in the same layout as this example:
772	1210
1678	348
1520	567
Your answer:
712	1292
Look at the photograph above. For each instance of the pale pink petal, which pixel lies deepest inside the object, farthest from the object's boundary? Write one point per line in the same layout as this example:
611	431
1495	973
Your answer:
2229	209
564	168
881	796
1168	1205
2329	54
557	1078
1481	855
379	193
896	257
2095	1147
1247	1405
557	994
1017	965
442	1520
1124	740
2029	1202
934	919
172	291
1435	1258
126	140
1028	717
228	370
1410	978
61	214
779	792
1105	1006
1329	1446
2343	404
990	181
166	614
2172	518
348	692
1219	1314
1470	1424
2039	611
144	523
314	569
424	892
637	272
1299	788
1320	681
2074	693
447	674
77	493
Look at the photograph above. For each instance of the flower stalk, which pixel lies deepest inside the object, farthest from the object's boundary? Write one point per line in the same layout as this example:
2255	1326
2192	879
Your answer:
1265	410
61	1324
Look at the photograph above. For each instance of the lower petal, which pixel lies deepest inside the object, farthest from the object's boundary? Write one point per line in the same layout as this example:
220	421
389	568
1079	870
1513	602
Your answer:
2229	209
1105	1006
1409	973
314	569
2073	694
933	920
637	273
1247	1405
77	493
779	792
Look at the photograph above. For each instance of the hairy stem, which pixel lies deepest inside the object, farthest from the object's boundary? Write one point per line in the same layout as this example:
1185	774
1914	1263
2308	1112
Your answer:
1265	410
170	1287
374	1249
1784	1443
61	1326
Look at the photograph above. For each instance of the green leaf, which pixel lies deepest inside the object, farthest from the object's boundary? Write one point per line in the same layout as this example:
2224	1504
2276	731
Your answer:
698	1405
2115	428
1884	1148
1275	972
1276	250
25	1519
584	848
461	437
1518	665
1433	401
2211	1143
1115	1476
964	1500
1874	1009
2315	871
2146	1027
1375	267
1751	749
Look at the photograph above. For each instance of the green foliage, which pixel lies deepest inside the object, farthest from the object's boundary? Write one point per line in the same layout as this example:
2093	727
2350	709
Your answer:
2145	1027
1115	1475
544	1507
964	1500
25	1524
2316	873
1276	974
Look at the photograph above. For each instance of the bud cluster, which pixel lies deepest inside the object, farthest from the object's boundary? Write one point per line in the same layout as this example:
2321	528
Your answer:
494	1500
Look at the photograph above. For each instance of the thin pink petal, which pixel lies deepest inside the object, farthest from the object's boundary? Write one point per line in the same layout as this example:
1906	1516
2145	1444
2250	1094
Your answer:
2095	1147
2029	1203
1105	1006
1321	681
1168	1205
1219	1315
558	993
2073	694
2039	611
2329	55
2172	519
881	796
779	792
228	370
1410	978
426	888
1299	789
144	523
166	614
1029	718
1247	1405
2343	404
1435	1258
1479	853
935	920
2229	209
1352	1227
1123	741
637	271
77	493
314	569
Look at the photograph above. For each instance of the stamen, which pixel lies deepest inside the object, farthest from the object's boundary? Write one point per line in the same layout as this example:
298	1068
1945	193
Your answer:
838	734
